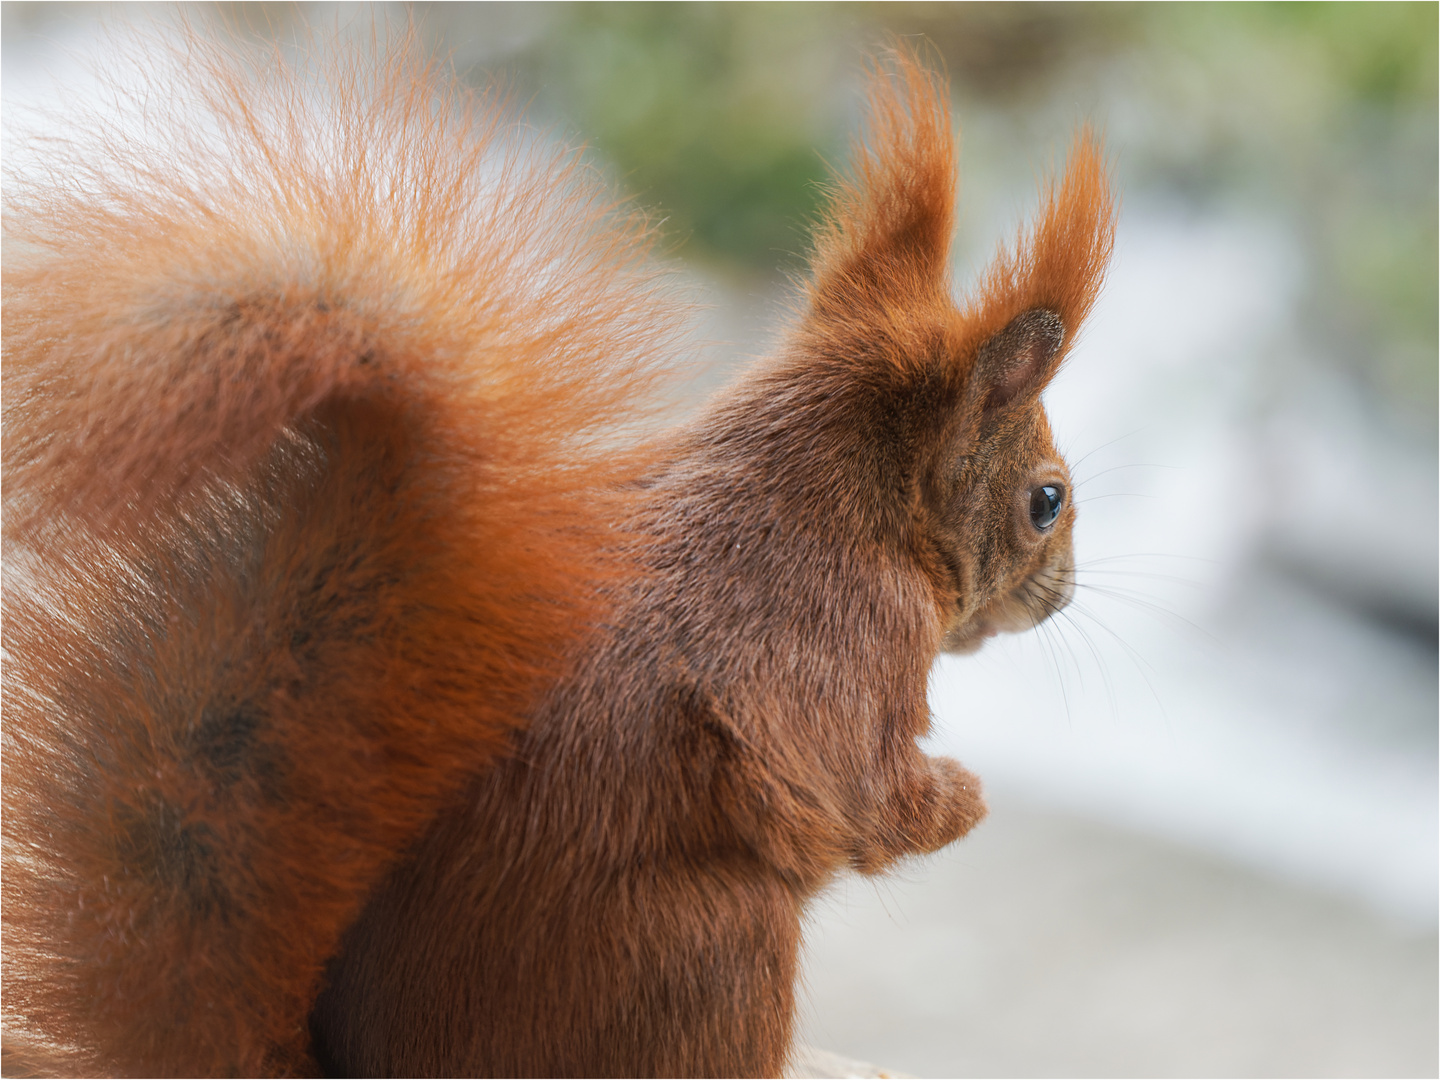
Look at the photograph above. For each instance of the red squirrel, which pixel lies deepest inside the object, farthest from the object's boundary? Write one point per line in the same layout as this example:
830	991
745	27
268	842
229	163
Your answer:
374	703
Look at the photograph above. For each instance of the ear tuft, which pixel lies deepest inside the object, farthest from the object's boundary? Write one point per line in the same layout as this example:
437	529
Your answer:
1019	358
1058	265
887	227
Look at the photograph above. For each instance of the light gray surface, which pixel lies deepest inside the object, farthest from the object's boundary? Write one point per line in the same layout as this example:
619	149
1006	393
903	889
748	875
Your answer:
1043	945
812	1063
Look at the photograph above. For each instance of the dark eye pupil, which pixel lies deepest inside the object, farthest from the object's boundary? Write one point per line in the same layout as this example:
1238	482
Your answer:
1045	504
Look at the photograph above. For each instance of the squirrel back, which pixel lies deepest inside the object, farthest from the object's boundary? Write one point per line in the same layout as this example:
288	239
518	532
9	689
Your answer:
309	430
372	705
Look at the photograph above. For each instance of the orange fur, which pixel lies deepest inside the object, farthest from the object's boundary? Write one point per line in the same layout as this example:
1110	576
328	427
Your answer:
303	456
349	657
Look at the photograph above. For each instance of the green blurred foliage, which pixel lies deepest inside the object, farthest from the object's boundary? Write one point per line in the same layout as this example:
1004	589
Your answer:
1382	53
1323	116
713	113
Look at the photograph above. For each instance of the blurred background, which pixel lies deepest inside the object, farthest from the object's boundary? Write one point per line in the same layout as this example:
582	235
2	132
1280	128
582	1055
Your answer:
1213	839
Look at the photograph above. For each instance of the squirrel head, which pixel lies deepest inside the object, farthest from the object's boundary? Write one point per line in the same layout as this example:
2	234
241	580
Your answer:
946	397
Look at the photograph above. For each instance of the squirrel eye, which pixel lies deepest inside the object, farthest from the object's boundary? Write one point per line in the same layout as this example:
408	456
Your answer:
1045	505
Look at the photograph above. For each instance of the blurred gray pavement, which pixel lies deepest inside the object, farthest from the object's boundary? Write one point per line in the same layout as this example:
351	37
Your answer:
1045	945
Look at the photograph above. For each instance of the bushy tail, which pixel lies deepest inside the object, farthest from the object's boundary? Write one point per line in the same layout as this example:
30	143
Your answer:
311	378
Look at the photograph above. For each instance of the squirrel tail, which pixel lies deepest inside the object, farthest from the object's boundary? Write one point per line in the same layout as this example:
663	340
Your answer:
312	375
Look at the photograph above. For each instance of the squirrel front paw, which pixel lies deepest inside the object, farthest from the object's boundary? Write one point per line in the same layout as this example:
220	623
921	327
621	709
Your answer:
937	803
959	801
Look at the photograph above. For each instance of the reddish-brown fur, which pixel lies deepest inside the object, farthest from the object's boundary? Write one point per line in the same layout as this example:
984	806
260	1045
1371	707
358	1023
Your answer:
318	555
304	498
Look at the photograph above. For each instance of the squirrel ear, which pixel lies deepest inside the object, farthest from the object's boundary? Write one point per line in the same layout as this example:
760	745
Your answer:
887	227
1035	296
1020	359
